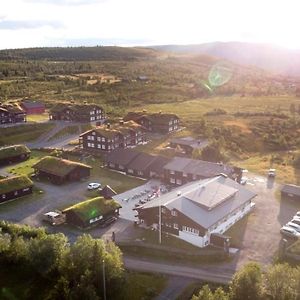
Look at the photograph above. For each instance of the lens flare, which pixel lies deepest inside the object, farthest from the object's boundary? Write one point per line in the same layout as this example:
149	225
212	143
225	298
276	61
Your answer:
220	74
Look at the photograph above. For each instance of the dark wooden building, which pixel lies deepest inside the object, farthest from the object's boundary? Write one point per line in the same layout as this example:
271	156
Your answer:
162	123
92	212
108	137
12	113
14	187
181	170
59	171
291	192
33	107
77	112
12	154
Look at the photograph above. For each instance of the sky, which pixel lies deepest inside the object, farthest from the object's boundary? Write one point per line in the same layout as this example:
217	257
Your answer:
41	23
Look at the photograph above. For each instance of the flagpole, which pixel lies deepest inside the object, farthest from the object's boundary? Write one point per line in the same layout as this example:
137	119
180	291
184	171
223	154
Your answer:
159	222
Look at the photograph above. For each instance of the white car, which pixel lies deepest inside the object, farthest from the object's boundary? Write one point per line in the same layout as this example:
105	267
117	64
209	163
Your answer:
297	214
296	220
93	186
289	232
244	180
272	172
293	225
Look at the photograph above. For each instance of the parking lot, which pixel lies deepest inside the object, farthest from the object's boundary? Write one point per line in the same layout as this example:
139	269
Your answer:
258	235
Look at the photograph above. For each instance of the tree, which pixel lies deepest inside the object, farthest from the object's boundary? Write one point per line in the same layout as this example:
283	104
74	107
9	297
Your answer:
204	294
213	153
247	283
281	282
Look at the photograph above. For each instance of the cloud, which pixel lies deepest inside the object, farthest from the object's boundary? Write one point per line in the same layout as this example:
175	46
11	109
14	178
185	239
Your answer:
16	25
67	2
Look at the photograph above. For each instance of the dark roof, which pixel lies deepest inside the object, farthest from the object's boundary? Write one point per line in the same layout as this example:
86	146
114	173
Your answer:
205	201
10	184
198	167
32	104
13	108
57	166
158	164
12	151
93	208
78	108
141	162
157	118
291	189
189	141
121	156
107	192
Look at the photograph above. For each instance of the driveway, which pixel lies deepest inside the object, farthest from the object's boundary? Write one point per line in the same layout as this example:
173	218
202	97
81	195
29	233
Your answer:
259	233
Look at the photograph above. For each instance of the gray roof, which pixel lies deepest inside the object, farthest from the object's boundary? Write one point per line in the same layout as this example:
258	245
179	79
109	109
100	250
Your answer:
141	162
222	196
158	164
291	189
190	141
121	156
198	167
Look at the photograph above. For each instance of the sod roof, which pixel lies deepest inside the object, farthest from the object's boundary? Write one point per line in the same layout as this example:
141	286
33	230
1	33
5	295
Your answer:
10	184
93	208
77	108
12	151
157	118
57	166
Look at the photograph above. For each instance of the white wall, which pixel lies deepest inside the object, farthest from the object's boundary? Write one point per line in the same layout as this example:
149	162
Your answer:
196	240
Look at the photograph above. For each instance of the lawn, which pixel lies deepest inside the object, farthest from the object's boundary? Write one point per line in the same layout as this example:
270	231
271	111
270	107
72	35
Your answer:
23	133
24	168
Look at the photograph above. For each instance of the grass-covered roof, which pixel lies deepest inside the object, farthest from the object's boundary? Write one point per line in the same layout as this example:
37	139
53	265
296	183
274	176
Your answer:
77	108
57	166
93	208
10	184
12	151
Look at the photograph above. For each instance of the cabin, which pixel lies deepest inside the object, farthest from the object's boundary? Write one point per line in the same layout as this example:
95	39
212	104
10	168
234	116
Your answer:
181	170
13	154
32	107
290	192
14	187
92	212
162	123
59	171
12	113
77	112
108	137
198	212
188	144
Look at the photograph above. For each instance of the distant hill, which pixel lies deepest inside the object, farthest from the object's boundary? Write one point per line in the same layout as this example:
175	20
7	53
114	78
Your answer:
78	53
279	60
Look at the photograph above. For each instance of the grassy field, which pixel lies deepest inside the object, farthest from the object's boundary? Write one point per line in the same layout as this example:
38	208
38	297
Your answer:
23	133
73	129
25	167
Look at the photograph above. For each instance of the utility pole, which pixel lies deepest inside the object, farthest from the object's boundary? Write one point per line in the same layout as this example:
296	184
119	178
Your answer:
104	287
159	222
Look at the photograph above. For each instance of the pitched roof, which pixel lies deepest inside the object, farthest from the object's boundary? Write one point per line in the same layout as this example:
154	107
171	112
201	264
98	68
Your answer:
27	104
107	192
57	166
10	184
78	108
291	189
190	141
12	151
121	156
157	118
13	108
221	197
198	167
93	208
141	162
158	164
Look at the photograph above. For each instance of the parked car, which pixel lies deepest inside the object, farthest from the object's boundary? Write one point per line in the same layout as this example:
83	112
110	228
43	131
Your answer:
296	220
272	173
289	232
93	186
243	180
293	225
54	217
297	214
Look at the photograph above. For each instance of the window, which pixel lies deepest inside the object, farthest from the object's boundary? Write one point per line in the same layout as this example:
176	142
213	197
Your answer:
26	189
16	193
175	226
99	139
103	139
93	133
121	167
92	112
3	196
103	146
91	138
99	146
172	172
178	181
190	230
91	145
96	219
163	210
140	173
92	118
174	213
172	180
184	174
111	165
130	171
